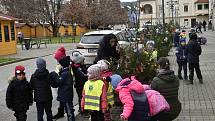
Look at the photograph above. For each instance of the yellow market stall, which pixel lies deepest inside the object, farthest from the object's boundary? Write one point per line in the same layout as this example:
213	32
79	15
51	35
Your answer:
37	30
7	35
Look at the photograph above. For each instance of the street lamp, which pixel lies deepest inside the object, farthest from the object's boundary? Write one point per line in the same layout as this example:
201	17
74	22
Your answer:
172	4
163	13
74	25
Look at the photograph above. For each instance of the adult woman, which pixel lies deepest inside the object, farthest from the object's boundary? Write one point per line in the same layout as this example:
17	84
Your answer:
167	84
108	48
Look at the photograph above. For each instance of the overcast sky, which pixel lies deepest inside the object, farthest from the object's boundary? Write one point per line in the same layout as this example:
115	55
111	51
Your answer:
127	0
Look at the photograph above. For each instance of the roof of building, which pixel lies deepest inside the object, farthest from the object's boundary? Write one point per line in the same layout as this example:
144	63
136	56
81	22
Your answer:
8	18
19	25
202	1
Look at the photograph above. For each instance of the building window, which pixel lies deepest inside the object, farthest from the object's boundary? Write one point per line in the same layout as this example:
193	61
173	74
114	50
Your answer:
185	8
206	6
0	34
186	22
6	33
12	31
199	7
147	9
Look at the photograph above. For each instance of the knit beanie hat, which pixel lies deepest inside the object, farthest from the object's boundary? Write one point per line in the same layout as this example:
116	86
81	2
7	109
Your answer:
65	61
150	42
94	72
77	57
60	53
41	63
164	63
104	64
115	80
19	69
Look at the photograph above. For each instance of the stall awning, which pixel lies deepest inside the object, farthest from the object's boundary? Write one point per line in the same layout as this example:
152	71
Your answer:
8	18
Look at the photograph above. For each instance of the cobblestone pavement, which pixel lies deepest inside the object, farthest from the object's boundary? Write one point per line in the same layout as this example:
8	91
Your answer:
198	100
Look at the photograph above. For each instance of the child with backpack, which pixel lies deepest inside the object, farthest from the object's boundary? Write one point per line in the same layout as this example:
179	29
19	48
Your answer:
94	98
140	103
64	81
79	70
19	95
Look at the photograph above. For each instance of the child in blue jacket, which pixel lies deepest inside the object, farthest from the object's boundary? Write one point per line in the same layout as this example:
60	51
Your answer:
181	54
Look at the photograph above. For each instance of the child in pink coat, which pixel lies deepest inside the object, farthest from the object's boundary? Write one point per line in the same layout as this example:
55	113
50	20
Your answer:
139	101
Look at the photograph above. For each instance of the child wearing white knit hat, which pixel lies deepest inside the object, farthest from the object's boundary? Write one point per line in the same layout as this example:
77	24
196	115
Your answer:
94	98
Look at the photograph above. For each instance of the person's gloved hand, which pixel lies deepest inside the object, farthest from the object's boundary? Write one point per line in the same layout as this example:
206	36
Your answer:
58	68
108	79
82	109
104	110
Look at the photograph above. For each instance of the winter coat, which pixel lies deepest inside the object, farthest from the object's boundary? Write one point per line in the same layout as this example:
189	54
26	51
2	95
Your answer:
176	38
80	76
194	51
103	98
125	95
64	82
105	78
106	52
204	23
181	54
183	37
157	102
19	95
168	84
41	84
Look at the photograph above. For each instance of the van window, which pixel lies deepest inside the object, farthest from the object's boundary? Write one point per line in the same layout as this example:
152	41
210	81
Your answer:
91	39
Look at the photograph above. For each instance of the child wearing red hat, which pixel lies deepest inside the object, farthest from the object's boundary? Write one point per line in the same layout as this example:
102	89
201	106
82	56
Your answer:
64	81
19	94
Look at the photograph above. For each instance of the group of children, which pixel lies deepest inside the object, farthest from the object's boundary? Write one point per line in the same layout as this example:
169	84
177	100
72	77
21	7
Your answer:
19	95
95	87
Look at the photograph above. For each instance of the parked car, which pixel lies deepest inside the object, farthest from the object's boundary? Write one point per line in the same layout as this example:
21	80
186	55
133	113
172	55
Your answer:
202	40
89	43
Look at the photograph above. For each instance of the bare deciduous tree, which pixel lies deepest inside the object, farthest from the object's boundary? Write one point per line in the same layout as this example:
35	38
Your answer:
39	11
102	13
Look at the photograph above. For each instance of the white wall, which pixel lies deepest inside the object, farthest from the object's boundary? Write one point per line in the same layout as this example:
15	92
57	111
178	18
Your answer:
192	11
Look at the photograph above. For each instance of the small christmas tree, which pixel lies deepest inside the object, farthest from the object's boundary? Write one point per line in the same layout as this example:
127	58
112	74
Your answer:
136	61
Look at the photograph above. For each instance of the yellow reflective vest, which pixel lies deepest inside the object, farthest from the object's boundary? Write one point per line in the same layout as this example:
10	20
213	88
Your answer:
110	95
93	92
154	55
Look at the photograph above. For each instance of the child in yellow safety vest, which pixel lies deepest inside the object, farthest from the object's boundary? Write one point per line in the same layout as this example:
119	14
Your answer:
150	50
94	97
106	73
